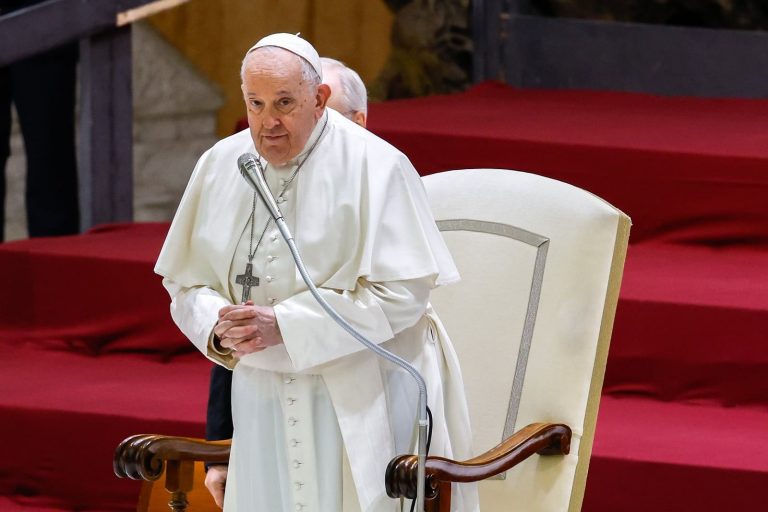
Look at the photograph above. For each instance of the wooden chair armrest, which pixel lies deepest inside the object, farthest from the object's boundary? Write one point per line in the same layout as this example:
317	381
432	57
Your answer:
143	456
541	438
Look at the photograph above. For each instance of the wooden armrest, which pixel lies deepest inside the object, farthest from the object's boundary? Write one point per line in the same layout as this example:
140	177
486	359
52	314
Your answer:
143	457
541	438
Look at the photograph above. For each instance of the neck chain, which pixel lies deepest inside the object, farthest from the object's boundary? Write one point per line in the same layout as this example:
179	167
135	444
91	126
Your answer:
247	279
251	249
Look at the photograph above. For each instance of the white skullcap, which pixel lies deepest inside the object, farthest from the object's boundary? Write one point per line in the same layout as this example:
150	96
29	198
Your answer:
294	44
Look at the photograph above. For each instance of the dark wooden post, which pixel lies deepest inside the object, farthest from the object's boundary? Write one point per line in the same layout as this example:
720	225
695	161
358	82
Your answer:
179	476
103	27
106	138
491	20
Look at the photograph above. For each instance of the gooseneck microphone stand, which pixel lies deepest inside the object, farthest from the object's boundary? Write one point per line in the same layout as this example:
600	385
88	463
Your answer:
253	172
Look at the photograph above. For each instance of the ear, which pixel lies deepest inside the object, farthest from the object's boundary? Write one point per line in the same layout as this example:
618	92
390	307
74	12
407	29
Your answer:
360	118
323	93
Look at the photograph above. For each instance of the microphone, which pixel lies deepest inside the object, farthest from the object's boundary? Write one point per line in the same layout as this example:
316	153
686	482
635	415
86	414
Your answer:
248	164
253	172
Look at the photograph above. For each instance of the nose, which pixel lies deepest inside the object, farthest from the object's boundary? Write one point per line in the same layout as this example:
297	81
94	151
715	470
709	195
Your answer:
270	122
271	119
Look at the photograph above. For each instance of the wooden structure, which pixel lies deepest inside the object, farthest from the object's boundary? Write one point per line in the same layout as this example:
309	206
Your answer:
536	438
149	457
176	463
545	293
518	47
105	159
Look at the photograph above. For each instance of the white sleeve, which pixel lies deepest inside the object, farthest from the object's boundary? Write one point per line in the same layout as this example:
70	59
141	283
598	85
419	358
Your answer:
195	311
377	310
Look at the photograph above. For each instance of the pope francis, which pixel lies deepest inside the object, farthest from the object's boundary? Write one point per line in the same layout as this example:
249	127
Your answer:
316	417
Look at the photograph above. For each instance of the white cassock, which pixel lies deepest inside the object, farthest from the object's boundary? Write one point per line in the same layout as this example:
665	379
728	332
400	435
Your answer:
320	407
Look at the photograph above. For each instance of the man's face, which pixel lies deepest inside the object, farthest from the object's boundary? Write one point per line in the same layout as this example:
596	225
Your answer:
282	108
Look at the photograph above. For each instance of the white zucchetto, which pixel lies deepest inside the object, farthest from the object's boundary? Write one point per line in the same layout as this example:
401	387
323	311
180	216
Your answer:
294	44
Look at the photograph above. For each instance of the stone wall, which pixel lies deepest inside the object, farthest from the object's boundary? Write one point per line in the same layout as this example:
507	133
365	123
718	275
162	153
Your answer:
15	216
175	110
431	50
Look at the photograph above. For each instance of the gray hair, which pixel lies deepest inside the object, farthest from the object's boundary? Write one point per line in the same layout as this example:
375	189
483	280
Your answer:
353	93
308	73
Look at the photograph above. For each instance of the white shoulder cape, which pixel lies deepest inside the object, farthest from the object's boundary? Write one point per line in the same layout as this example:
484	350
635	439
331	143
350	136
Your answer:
361	213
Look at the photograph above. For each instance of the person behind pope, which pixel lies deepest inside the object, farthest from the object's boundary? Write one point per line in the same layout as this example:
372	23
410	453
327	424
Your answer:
348	94
349	97
317	417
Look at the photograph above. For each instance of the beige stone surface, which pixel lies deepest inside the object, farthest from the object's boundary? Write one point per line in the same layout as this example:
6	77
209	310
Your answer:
15	171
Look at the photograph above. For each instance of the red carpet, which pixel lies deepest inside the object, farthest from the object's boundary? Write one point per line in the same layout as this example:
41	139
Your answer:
65	412
91	355
667	457
96	293
710	349
692	325
684	169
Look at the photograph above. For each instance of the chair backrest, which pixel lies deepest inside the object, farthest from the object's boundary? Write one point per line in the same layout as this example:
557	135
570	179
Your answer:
541	264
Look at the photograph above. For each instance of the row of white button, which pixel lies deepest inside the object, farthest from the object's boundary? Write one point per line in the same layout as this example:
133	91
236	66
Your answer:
269	279
294	442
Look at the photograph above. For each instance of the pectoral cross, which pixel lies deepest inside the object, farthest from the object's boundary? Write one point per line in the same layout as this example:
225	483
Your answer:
248	280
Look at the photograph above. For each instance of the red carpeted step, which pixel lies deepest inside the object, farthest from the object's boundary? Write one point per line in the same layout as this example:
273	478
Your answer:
25	504
692	324
64	413
30	505
91	356
96	291
684	169
663	456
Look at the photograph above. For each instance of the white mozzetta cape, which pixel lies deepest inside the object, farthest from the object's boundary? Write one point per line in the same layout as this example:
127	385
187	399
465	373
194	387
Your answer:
359	214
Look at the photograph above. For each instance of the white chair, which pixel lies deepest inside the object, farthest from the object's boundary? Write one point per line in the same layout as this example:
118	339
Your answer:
541	264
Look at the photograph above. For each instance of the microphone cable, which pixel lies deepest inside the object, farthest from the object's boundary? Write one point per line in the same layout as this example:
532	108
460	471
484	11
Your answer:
429	442
251	169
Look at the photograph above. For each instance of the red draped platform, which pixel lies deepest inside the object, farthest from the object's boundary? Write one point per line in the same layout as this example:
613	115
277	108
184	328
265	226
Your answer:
91	355
684	169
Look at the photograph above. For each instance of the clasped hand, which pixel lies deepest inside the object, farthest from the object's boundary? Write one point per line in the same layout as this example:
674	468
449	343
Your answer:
246	328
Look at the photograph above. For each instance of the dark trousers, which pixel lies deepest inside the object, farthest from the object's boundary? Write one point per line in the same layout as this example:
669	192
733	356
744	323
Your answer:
42	88
219	422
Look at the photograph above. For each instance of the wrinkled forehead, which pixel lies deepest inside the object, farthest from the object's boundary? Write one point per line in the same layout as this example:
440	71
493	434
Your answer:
271	60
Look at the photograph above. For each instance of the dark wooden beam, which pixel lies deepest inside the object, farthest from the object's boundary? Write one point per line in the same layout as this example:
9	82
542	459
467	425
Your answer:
520	6
44	26
491	21
486	33
106	100
106	139
579	54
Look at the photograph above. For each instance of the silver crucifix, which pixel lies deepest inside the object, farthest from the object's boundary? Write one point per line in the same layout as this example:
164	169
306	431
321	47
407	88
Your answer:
248	280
